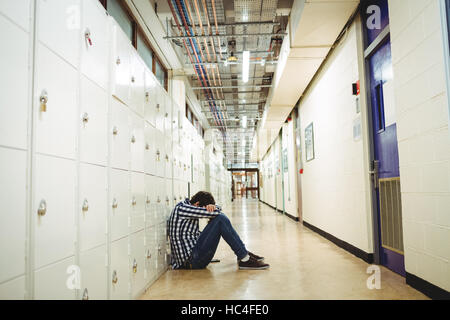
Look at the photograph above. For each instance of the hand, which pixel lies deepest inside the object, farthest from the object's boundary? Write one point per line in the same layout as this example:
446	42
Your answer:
211	208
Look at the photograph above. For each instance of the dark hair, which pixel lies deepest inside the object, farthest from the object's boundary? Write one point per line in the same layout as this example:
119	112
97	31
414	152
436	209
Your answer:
204	198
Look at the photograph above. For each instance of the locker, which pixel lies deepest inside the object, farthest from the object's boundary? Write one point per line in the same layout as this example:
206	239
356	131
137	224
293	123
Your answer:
137	143
150	98
161	248
121	203
151	200
92	208
149	149
15	86
168	163
93	123
121	70
137	260
50	282
137	87
168	117
160	198
59	27
121	136
94	274
150	254
56	88
160	108
138	201
18	11
13	290
160	153
13	165
95	43
53	209
119	272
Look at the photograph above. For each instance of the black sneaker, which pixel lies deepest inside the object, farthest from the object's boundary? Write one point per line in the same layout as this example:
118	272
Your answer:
252	264
254	256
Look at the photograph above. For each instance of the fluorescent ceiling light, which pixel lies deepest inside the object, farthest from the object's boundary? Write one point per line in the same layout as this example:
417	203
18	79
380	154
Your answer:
245	66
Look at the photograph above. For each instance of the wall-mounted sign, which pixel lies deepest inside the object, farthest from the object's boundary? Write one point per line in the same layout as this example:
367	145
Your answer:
309	142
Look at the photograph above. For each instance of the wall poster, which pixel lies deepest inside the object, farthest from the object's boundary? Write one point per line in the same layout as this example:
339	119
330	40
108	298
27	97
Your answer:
309	142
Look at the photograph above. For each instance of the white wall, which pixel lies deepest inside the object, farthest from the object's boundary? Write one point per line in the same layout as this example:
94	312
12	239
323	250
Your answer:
423	136
333	184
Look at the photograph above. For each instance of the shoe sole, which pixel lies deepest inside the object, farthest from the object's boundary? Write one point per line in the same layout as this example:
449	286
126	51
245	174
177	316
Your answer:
254	268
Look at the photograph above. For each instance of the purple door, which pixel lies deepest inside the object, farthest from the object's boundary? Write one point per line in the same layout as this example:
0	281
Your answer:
386	164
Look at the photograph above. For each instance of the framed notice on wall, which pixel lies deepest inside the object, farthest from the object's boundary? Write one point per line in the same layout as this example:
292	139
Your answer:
309	142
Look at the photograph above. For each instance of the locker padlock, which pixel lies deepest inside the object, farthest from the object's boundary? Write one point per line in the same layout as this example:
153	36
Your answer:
87	35
115	130
135	266
43	99
85	205
85	117
114	204
133	139
133	201
147	146
118	61
149	255
85	294
114	277
42	210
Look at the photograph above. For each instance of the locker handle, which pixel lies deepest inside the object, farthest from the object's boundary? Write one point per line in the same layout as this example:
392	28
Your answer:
114	204
135	265
133	139
159	200
147	96
148	200
85	117
158	155
43	99
85	294
114	277
85	205
133	79
167	158
149	255
147	146
115	130
157	106
118	61
87	35
42	210
133	201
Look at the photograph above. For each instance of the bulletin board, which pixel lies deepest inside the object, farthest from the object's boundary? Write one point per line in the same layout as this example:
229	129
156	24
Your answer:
309	142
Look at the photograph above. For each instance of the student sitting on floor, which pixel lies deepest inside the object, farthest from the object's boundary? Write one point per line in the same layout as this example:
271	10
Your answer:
192	249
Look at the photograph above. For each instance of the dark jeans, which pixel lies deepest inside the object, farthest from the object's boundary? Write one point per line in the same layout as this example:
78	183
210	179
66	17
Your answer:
207	243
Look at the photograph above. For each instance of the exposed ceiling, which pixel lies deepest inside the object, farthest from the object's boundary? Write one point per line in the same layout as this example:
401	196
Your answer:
213	35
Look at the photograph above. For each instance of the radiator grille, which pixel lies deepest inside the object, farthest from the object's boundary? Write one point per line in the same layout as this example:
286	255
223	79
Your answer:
391	215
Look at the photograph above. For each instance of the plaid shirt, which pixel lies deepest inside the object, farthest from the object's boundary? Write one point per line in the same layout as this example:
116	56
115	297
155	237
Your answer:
184	231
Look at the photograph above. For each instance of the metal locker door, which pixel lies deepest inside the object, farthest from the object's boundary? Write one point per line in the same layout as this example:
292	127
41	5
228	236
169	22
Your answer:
119	273
150	98
151	198
150	149
121	71
121	203
59	27
93	266
56	96
121	141
137	95
14	82
137	143
13	165
162	259
13	289
53	209
137	201
160	108
93	123
50	282
150	254
17	11
137	259
92	209
95	43
168	158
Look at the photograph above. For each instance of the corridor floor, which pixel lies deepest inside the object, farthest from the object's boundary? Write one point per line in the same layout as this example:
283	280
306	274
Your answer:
303	265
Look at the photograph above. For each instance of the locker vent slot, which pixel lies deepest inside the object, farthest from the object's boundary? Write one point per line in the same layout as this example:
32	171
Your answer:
391	215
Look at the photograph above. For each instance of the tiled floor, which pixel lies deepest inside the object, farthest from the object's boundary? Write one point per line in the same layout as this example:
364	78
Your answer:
303	266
